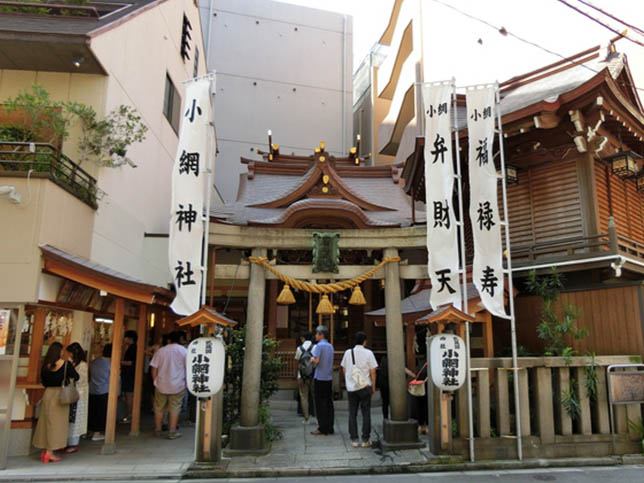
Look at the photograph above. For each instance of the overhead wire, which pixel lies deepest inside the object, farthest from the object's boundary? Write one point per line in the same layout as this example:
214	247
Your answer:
506	32
610	15
596	20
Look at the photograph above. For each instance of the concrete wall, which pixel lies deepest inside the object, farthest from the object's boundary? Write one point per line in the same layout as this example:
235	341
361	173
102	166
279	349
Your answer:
280	67
47	214
136	55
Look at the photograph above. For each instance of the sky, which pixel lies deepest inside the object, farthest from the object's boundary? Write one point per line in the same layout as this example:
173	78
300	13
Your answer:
451	40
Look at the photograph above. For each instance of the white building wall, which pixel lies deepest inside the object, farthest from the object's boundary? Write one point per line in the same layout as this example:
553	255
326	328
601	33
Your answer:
280	67
136	55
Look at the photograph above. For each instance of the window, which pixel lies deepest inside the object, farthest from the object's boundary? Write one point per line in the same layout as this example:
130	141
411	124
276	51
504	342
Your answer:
171	104
195	69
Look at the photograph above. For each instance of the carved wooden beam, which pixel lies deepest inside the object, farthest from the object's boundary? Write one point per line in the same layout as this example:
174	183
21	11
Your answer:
546	120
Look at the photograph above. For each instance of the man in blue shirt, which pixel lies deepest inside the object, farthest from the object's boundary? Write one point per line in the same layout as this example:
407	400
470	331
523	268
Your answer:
323	381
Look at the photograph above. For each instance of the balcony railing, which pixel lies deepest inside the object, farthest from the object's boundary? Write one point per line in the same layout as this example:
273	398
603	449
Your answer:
568	248
44	160
610	243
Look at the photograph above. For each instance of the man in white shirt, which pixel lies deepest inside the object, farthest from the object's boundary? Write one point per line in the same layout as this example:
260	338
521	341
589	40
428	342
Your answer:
169	376
304	382
359	367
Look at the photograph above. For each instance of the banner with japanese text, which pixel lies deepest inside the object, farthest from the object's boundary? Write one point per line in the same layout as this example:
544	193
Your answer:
442	240
487	272
189	179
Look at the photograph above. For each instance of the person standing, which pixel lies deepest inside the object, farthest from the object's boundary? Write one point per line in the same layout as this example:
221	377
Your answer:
128	367
382	381
359	367
78	410
99	387
305	370
53	419
323	381
169	376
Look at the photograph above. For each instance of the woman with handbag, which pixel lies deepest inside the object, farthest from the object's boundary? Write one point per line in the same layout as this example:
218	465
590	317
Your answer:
78	410
416	389
53	421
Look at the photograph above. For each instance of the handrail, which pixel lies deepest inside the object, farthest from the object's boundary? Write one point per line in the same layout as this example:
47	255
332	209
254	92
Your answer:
632	242
43	158
563	241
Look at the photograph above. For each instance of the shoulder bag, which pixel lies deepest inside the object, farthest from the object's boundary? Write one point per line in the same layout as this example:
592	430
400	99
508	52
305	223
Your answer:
357	376
416	387
68	392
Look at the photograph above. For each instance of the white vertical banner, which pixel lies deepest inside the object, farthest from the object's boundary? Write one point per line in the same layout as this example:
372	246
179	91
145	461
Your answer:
487	271
189	179
442	242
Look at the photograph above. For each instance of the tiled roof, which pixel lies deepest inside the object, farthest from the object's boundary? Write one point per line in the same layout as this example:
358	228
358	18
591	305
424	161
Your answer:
102	270
265	187
419	303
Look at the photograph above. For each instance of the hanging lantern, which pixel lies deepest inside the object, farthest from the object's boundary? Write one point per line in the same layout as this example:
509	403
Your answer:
325	307
286	296
640	181
357	298
623	163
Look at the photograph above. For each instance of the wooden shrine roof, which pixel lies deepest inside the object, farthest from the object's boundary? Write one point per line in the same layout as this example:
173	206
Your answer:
535	103
208	316
417	306
317	191
86	272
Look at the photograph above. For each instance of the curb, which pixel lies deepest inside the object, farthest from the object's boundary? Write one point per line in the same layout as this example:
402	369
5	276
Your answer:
202	471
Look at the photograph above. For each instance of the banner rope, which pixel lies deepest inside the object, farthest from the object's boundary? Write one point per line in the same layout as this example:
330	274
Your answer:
324	287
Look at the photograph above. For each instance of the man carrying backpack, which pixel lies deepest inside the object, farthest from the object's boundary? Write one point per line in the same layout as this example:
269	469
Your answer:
305	370
359	366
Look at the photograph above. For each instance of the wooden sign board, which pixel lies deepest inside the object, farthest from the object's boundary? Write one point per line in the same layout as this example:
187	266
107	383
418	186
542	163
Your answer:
626	387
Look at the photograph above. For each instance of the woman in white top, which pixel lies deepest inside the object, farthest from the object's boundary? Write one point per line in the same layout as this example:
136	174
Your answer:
78	410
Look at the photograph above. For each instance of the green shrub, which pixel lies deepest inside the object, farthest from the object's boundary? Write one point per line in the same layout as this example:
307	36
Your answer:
271	367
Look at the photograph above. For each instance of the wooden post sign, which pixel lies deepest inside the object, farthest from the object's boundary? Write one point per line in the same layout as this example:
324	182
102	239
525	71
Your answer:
205	366
448	364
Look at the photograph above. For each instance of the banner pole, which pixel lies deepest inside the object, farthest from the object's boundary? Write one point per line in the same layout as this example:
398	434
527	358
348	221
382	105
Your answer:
464	296
513	330
212	146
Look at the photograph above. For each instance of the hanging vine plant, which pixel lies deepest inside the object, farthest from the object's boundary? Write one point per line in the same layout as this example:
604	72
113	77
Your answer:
102	141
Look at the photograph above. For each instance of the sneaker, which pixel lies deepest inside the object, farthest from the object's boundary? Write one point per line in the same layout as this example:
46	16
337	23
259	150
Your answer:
355	444
174	435
98	437
366	444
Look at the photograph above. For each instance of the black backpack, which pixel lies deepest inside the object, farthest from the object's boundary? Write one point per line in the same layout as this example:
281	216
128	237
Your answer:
305	364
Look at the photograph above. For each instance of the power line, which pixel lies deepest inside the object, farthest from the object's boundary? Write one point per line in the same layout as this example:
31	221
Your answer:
608	14
606	26
503	31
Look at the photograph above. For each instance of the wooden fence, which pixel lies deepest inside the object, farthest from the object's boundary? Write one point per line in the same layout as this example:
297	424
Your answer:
548	425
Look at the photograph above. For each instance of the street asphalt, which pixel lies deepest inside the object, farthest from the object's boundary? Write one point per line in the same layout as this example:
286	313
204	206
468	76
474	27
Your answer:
614	474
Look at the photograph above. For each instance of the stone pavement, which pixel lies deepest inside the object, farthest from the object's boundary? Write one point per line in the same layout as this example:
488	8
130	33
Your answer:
143	456
148	457
299	450
297	454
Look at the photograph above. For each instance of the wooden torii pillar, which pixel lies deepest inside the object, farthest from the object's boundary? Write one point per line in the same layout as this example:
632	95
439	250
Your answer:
209	413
